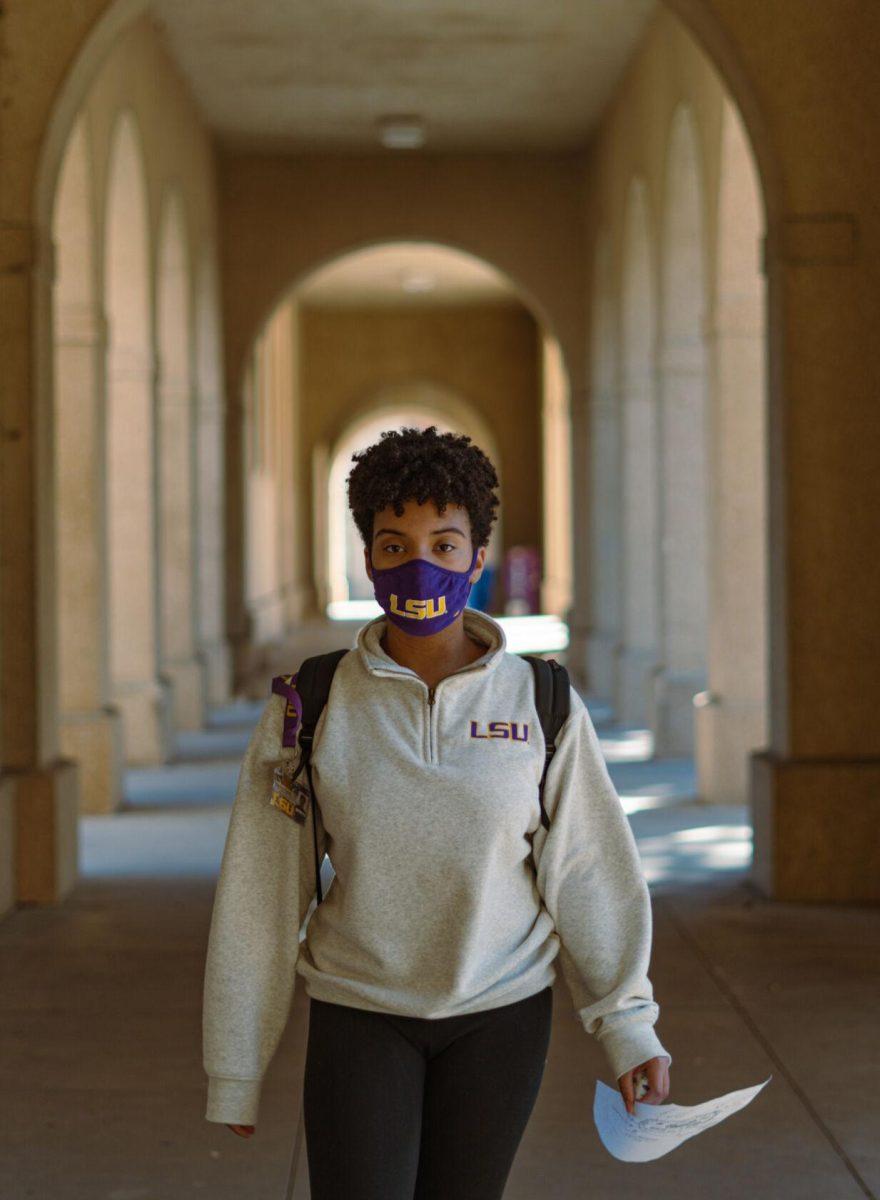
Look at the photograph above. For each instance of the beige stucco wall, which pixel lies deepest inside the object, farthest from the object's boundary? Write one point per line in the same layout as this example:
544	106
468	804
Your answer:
282	217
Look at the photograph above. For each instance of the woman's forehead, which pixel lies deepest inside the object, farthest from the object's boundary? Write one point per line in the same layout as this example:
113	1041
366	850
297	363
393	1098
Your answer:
453	516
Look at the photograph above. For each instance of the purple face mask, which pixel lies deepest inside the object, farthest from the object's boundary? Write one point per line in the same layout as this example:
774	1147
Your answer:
421	597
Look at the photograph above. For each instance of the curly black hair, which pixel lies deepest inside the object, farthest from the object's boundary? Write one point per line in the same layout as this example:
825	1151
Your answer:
422	464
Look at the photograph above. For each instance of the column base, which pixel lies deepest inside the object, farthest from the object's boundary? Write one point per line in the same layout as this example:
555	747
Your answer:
46	803
816	824
726	734
602	666
634	702
95	741
216	660
145	707
7	845
187	678
673	725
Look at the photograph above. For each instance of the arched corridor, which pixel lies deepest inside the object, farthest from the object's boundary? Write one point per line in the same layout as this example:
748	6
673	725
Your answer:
632	258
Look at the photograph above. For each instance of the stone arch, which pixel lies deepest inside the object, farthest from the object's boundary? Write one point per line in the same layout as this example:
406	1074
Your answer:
80	38
131	447
175	450
116	15
263	504
638	465
91	39
714	38
418	400
346	248
684	484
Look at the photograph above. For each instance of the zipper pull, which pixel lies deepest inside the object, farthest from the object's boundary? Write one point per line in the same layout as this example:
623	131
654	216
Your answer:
430	695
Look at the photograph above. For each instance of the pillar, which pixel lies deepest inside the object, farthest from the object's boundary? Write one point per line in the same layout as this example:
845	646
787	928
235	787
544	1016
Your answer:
91	727
39	796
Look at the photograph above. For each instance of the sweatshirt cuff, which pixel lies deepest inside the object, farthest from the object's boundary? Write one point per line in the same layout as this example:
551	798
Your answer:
233	1101
629	1047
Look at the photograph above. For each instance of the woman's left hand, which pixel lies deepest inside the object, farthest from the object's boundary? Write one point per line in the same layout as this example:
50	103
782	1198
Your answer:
657	1071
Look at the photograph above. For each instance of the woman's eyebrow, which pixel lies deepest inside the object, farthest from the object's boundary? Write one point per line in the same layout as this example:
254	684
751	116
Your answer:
400	533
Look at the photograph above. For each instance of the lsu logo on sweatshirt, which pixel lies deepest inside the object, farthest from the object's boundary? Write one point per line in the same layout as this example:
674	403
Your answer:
515	730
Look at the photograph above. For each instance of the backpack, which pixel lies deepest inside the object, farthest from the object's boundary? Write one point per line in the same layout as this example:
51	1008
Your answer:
311	685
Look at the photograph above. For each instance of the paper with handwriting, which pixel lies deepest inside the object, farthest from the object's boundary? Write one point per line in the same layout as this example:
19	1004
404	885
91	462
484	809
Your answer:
655	1129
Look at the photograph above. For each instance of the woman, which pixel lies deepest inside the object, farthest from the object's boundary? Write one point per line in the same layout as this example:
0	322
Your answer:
430	963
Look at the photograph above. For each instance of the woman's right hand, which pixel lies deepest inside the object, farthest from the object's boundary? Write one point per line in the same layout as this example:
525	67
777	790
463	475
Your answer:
244	1131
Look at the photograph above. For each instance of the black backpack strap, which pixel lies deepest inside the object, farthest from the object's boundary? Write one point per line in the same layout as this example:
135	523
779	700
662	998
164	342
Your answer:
313	680
553	702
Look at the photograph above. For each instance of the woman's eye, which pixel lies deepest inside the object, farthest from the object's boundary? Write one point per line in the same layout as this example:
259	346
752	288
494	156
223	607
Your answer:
397	546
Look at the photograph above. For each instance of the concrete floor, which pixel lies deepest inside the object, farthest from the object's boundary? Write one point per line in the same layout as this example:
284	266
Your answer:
100	1041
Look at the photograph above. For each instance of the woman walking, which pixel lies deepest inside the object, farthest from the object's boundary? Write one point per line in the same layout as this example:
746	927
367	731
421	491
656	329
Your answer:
429	965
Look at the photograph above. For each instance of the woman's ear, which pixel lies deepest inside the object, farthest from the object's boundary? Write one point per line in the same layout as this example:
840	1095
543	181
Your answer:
367	564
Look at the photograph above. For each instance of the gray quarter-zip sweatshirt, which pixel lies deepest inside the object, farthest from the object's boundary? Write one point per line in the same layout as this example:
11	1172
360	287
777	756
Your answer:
448	895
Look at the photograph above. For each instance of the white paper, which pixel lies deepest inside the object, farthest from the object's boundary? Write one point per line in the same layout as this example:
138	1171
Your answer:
655	1129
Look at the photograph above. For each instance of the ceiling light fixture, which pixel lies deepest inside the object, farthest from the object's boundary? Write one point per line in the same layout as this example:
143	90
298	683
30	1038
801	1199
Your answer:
401	132
418	281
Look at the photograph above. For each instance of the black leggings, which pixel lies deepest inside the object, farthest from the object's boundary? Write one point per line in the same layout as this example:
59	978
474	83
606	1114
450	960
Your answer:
411	1108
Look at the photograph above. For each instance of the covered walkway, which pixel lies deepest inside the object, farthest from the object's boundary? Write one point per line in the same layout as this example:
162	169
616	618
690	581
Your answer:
630	248
102	1083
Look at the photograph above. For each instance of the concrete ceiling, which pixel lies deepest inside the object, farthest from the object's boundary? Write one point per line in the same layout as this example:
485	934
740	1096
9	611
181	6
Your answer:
376	276
316	75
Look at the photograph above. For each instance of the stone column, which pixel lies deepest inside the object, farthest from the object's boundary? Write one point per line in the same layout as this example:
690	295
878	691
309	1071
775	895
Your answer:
210	485
816	790
682	500
39	797
637	663
556	582
91	728
239	625
142	695
213	650
603	539
731	715
176	470
582	657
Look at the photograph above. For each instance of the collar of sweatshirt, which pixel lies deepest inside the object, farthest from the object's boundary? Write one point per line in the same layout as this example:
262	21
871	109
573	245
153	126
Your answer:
476	622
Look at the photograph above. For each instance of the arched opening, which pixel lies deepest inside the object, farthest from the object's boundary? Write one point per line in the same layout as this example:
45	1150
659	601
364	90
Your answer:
418	403
366	335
